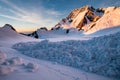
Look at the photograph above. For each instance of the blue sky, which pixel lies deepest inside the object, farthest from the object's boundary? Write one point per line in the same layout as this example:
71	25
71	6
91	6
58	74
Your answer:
29	15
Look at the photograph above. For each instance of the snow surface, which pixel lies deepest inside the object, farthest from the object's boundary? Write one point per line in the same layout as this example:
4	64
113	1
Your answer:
74	34
15	65
98	55
103	32
108	20
46	70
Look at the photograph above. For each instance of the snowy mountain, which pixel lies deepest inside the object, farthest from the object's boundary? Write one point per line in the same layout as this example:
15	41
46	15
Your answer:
110	19
80	17
8	26
43	33
86	19
91	20
7	32
33	34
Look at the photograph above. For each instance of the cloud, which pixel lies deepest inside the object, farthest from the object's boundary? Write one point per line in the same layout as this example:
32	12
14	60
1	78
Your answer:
52	12
13	6
45	17
11	17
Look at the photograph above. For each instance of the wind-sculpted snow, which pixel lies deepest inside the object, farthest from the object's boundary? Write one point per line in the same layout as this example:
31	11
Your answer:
99	55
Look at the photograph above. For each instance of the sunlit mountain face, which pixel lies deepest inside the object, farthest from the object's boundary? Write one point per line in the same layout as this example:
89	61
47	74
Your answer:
30	15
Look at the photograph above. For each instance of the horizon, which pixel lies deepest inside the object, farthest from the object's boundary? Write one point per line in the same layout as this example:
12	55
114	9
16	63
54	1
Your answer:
28	16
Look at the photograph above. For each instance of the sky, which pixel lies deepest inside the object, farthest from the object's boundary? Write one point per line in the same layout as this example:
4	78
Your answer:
29	15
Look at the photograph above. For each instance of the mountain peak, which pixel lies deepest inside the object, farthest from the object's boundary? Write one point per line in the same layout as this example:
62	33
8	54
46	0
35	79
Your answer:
8	26
88	7
86	17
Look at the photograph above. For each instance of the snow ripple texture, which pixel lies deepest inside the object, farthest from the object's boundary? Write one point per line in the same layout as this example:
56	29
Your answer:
99	55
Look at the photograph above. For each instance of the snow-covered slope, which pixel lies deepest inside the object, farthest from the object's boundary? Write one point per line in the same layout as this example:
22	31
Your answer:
51	33
57	33
45	70
7	33
111	18
107	31
99	55
15	66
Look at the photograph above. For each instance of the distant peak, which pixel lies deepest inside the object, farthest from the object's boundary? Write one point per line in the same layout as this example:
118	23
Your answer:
87	7
8	26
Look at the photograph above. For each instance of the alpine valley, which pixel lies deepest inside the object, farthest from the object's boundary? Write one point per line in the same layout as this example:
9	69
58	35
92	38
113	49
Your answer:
85	45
